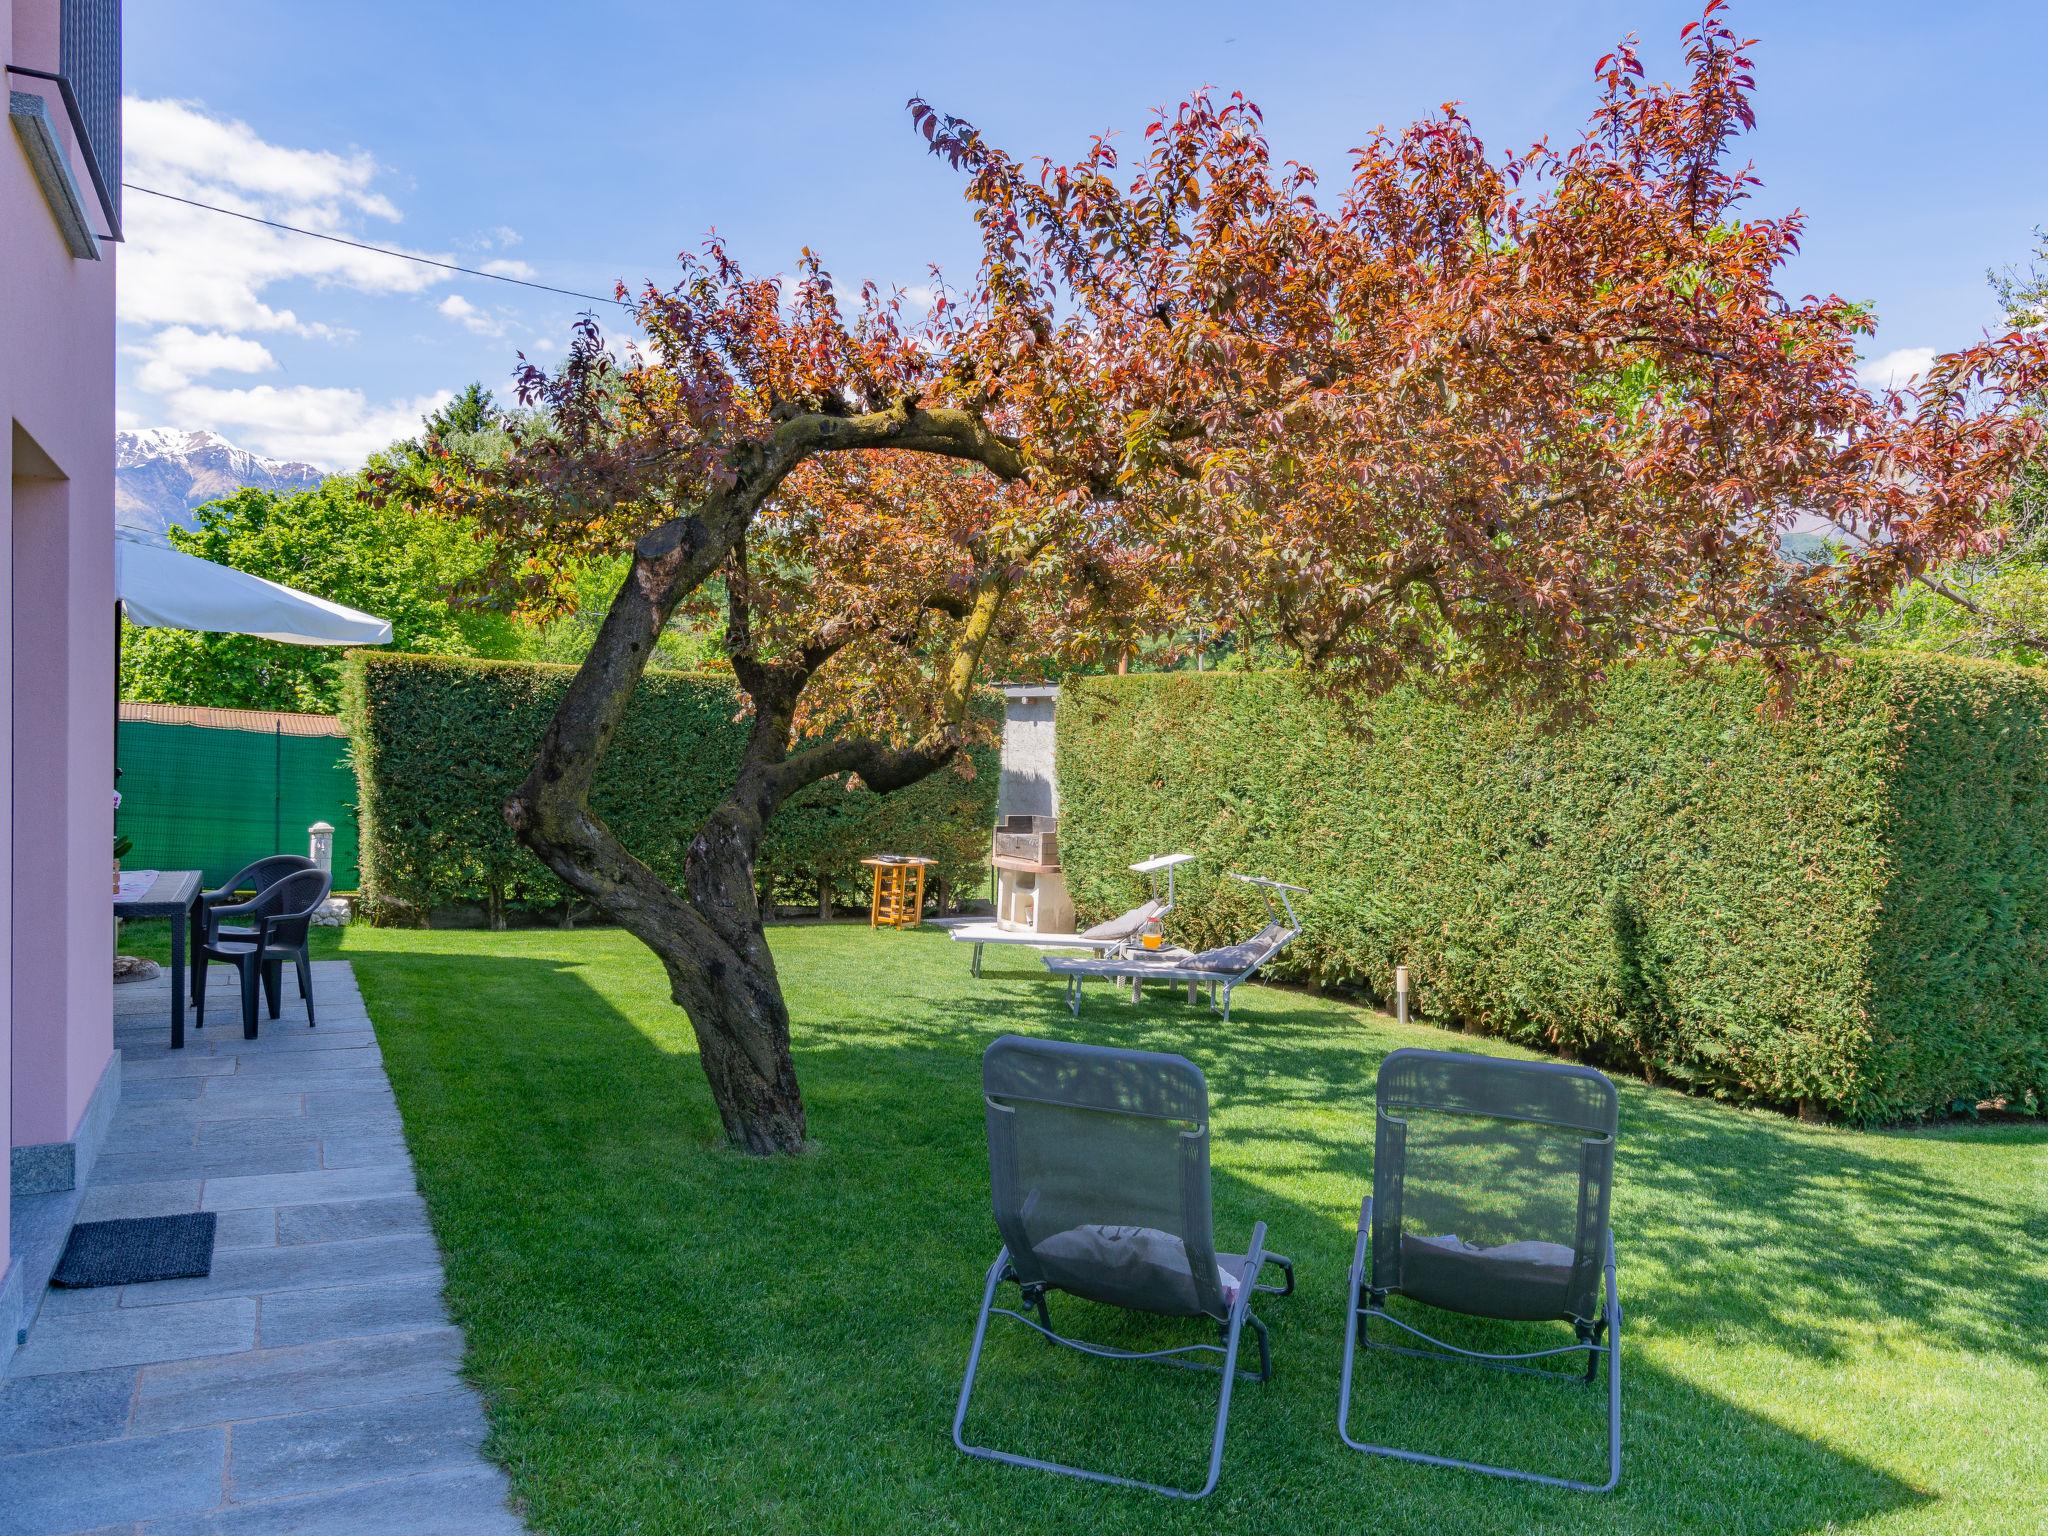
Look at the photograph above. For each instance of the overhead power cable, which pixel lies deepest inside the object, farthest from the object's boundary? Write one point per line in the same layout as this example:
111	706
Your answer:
381	250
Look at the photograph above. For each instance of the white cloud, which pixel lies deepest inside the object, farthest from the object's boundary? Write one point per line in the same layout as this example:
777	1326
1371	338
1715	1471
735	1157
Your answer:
332	428
175	356
1897	369
178	147
504	236
198	289
506	266
469	317
187	266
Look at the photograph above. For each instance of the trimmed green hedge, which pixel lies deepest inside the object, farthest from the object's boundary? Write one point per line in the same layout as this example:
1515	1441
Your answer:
440	742
1845	908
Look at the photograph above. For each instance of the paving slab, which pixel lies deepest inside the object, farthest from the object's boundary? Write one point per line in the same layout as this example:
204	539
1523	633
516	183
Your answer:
253	1226
75	1487
326	1038
58	1300
260	1271
463	1502
65	1408
140	1136
338	1220
363	1443
349	1151
151	1197
223	1087
359	1124
299	1153
269	1104
409	1304
185	1063
311	1382
302	1188
342	1114
257	1384
84	1341
158	1090
323	1100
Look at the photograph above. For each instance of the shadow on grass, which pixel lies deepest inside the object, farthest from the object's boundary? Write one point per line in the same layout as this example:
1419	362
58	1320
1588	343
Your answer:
1795	1235
674	1337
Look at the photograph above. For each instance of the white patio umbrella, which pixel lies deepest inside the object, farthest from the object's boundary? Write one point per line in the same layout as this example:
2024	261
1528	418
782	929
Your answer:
159	587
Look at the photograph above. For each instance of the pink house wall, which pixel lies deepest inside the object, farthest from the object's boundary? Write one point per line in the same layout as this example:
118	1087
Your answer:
57	596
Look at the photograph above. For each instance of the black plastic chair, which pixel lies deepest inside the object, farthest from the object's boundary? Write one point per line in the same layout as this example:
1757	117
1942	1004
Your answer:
256	879
283	915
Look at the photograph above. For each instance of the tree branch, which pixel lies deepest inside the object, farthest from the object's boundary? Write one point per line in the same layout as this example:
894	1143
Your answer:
2002	625
944	431
881	768
550	811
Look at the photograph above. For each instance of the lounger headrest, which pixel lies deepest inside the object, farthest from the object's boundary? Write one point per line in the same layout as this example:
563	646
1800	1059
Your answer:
1125	925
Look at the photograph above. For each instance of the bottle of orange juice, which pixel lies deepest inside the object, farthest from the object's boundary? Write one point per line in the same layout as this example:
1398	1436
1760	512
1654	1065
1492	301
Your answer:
1153	934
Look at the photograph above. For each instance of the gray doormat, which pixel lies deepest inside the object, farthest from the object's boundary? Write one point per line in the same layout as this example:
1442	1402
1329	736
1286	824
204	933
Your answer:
137	1249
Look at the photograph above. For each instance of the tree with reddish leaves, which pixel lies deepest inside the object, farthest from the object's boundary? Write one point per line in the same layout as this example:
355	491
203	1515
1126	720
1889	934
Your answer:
1505	420
1499	421
865	532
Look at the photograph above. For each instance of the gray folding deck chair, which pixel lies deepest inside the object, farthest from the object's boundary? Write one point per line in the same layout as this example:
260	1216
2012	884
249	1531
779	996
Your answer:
1490	1189
1220	970
1099	1172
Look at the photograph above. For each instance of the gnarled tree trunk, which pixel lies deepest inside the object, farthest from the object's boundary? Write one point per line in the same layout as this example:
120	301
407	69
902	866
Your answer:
709	936
725	979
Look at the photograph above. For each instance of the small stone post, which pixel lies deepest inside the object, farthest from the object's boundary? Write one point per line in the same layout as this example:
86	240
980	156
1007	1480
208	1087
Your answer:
321	851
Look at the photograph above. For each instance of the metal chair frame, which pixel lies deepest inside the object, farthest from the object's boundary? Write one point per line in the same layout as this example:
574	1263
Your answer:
1169	1091
1231	1332
1597	1338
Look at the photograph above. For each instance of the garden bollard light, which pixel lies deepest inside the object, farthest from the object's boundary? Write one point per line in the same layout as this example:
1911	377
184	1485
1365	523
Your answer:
1401	994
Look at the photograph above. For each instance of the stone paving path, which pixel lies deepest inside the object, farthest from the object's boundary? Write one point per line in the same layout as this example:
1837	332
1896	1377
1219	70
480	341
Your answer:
309	1384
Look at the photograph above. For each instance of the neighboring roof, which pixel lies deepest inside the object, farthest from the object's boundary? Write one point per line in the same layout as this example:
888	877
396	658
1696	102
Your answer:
269	722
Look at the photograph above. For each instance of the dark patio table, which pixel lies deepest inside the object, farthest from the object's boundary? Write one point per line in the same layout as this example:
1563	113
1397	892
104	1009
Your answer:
173	894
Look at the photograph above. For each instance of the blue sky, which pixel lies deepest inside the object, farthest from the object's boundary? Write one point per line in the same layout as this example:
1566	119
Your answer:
581	143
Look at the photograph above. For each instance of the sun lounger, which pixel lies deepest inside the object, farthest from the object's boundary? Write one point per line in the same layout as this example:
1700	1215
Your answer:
1102	939
1220	970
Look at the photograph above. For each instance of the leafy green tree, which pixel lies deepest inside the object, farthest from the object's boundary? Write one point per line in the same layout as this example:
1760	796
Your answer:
1995	606
354	541
683	646
333	542
473	412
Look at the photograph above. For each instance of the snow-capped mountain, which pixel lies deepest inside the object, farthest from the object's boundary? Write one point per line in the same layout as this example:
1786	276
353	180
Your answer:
161	474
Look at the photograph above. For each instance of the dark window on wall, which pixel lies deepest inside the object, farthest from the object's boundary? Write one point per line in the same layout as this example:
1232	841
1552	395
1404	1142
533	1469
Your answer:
91	61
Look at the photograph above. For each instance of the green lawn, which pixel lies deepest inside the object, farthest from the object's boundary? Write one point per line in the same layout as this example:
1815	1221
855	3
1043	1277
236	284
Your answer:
1826	1330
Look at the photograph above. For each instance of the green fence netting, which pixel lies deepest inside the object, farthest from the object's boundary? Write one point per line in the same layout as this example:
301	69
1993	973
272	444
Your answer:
197	797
